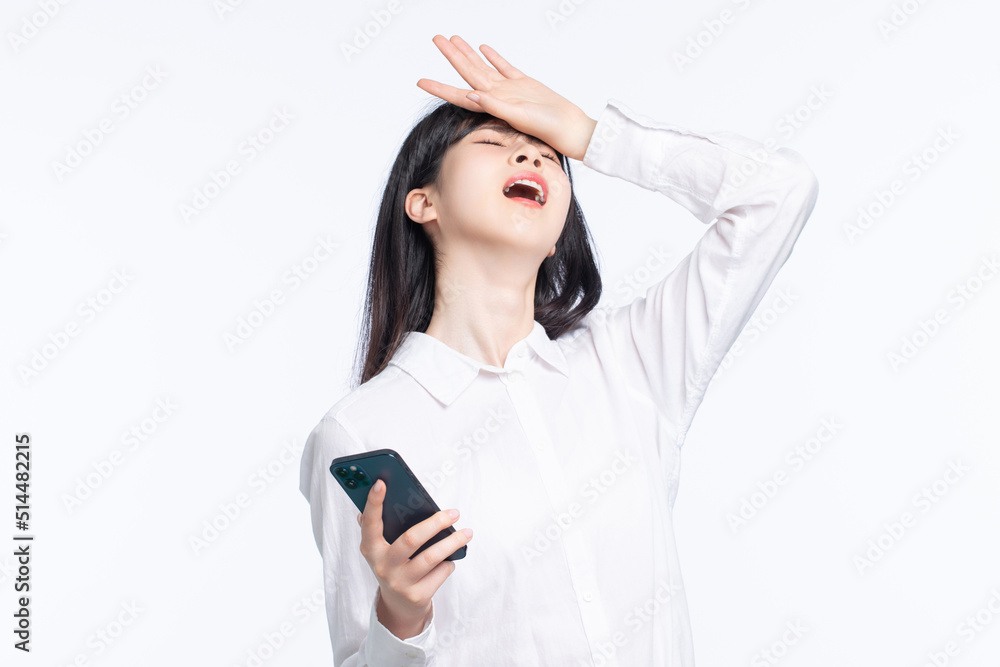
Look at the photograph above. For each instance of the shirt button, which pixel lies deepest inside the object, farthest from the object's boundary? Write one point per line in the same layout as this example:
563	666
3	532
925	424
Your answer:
588	596
411	654
520	354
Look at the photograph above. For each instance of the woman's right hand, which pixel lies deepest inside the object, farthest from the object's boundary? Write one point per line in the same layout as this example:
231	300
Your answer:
407	585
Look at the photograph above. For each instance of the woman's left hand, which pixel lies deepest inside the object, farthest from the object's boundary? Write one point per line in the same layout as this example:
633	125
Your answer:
505	92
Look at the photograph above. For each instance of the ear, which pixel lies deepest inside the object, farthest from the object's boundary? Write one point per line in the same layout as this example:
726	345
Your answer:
418	207
552	252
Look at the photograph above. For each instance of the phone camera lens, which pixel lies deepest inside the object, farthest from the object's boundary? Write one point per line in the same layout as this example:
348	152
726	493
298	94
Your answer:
360	475
351	484
341	472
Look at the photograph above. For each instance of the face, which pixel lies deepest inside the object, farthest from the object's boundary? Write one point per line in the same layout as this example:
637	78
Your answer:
468	206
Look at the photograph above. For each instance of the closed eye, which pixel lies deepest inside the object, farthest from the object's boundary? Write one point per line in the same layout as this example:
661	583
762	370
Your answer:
487	141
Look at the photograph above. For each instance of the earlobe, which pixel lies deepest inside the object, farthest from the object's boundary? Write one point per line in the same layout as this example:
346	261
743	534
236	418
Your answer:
552	252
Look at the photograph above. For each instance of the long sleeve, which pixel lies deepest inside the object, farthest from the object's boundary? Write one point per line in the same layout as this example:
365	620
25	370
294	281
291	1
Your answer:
351	589
672	339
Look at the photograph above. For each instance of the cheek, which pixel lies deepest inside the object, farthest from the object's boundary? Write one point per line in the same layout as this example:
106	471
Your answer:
559	191
474	184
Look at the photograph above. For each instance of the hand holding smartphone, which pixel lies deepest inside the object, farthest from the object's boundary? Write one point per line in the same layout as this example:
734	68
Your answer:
406	502
398	514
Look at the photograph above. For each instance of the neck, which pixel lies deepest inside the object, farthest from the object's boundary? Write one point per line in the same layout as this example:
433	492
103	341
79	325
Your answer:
482	315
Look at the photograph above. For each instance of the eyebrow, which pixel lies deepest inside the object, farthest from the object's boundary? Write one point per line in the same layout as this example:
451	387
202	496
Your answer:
504	128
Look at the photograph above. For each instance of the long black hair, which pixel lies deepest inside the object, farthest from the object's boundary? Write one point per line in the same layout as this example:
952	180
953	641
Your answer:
402	268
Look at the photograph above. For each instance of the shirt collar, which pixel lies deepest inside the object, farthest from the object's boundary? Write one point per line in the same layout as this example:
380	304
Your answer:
445	373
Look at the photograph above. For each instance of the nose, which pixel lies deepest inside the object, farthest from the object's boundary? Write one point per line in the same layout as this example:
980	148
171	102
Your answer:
528	152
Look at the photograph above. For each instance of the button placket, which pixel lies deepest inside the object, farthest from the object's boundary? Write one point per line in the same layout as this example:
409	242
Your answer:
580	565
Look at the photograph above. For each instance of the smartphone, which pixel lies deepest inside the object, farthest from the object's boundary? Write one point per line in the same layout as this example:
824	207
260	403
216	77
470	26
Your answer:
406	502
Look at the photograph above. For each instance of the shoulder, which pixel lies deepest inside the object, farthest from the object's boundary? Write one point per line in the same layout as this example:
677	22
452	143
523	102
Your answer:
590	328
352	414
341	429
365	397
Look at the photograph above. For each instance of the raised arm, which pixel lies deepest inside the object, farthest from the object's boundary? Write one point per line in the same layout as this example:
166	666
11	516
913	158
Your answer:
672	340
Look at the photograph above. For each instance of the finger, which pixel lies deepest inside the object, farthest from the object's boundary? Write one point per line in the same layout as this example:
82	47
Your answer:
430	582
436	553
456	96
417	536
502	65
371	522
469	52
460	62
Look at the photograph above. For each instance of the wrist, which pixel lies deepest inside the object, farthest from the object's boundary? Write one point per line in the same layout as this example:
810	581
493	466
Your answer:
402	625
582	135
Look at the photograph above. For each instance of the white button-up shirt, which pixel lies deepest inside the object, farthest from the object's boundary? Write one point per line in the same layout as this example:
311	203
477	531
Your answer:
565	461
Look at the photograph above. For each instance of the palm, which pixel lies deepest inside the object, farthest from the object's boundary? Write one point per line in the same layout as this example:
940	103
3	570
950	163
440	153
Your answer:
525	103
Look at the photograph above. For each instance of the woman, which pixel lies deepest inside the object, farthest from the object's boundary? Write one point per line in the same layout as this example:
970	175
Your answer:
555	425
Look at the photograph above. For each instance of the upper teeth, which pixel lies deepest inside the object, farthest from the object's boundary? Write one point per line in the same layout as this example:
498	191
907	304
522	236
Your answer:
539	197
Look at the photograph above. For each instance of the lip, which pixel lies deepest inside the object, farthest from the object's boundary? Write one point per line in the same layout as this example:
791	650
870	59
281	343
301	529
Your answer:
530	176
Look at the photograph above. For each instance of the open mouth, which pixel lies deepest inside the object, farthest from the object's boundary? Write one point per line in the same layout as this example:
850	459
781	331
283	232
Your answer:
526	190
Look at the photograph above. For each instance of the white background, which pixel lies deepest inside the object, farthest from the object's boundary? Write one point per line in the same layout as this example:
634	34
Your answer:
865	101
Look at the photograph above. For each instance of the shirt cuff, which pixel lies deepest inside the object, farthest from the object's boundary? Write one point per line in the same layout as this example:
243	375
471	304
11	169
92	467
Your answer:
691	167
385	648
